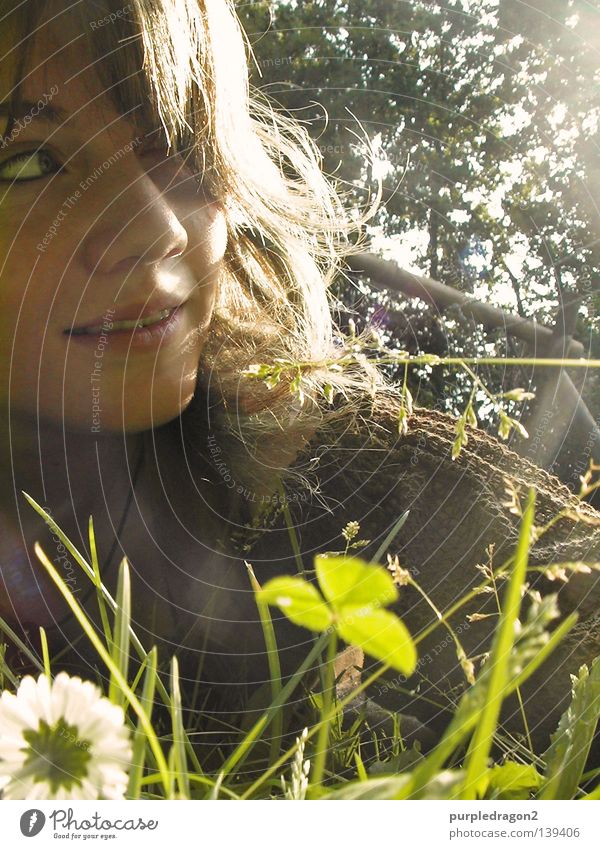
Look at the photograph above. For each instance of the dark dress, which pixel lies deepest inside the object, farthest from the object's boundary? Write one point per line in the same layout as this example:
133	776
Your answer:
361	469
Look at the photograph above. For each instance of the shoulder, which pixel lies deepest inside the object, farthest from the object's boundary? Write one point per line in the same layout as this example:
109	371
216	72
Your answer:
364	455
458	518
358	467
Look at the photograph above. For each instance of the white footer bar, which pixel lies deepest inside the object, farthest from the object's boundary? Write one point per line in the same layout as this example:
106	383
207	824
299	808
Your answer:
276	825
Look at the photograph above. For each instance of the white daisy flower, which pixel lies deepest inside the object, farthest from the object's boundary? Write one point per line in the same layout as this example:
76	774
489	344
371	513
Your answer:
62	741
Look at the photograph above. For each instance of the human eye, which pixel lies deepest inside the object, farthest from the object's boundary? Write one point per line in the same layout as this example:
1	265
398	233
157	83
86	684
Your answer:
29	165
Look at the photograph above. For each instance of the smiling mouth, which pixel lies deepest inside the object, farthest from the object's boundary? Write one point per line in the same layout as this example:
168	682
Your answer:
126	324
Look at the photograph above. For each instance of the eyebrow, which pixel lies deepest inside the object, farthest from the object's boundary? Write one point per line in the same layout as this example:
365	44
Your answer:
47	112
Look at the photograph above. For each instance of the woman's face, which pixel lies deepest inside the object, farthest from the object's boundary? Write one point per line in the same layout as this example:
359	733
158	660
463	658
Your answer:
98	228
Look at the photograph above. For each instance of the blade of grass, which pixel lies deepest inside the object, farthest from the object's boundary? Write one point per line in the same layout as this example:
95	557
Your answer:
273	660
98	582
214	793
322	745
291	529
181	772
504	638
198	779
8	631
591	774
396	527
114	670
62	537
139	737
568	752
120	643
172	771
5	672
591	797
138	675
89	571
45	653
239	755
360	767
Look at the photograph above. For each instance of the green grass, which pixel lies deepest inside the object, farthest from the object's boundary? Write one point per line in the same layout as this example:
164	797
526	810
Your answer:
347	760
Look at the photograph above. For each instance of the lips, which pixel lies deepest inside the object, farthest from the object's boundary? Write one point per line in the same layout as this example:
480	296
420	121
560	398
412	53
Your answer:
111	326
124	319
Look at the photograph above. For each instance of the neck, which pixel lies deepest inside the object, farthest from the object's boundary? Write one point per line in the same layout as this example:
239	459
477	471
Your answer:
73	476
67	472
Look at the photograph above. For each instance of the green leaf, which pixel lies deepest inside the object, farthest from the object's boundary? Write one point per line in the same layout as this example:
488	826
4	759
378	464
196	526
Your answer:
121	642
534	645
258	370
273	379
519	428
296	387
395	530
444	785
505	426
352	582
329	393
299	600
518	394
14	638
139	739
273	660
385	787
461	437
570	746
381	634
513	781
90	631
97	580
470	416
403	421
180	760
498	664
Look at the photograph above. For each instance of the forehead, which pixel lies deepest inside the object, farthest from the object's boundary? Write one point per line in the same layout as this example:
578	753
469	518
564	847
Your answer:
60	75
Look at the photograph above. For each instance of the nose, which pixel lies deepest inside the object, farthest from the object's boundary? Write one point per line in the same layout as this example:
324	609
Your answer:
133	226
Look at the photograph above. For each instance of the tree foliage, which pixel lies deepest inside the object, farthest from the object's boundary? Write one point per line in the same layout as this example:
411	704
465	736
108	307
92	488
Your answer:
484	117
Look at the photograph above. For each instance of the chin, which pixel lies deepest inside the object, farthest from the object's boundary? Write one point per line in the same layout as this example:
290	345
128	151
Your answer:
163	406
134	414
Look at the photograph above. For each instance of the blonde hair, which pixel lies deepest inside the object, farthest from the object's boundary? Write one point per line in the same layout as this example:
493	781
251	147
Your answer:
181	67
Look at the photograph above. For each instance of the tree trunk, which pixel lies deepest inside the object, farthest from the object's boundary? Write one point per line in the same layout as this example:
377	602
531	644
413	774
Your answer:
560	422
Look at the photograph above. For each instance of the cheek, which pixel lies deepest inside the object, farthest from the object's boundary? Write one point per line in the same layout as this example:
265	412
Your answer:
27	293
31	272
18	262
208	236
207	231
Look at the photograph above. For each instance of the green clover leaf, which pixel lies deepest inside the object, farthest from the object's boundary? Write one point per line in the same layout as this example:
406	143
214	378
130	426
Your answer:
299	600
355	591
380	634
351	582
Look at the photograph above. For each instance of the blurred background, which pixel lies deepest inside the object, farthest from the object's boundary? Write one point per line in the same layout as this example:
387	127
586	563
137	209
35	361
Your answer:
483	119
